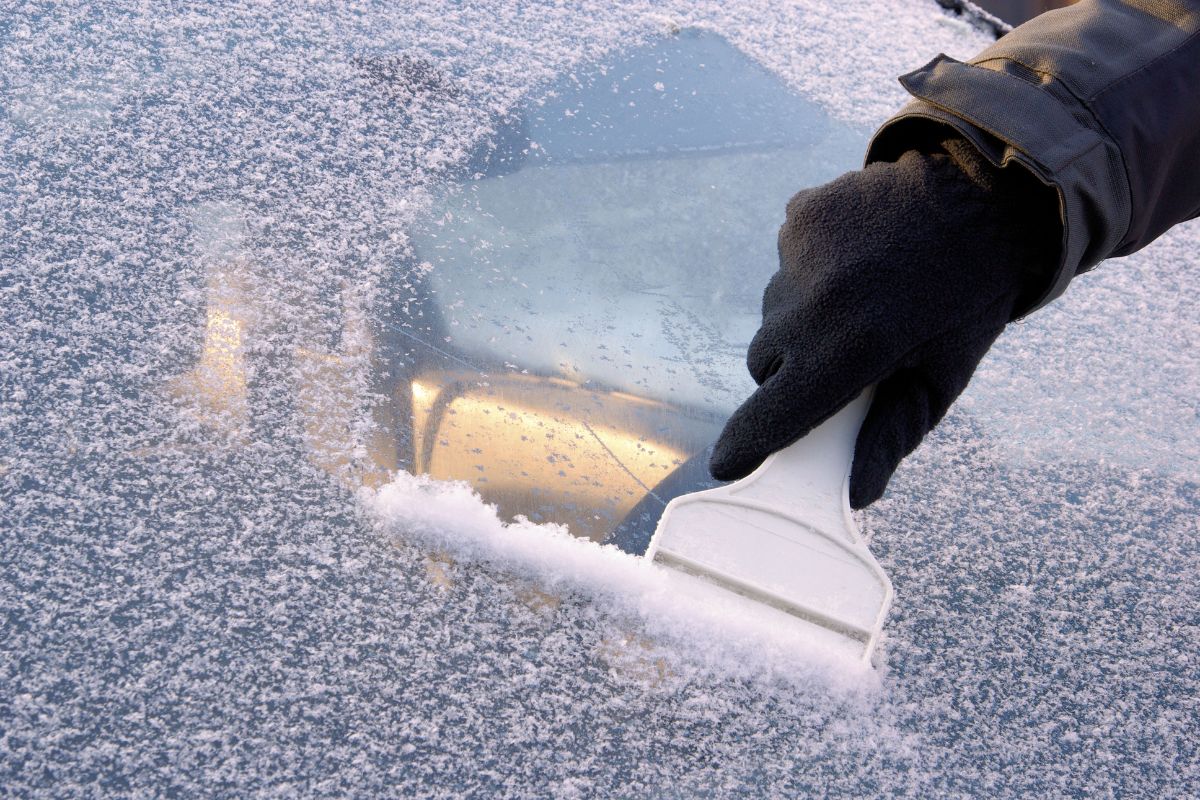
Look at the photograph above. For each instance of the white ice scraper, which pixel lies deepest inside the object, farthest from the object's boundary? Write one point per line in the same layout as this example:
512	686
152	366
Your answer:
783	544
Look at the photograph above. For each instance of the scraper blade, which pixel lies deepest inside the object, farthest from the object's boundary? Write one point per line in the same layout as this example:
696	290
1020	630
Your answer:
783	544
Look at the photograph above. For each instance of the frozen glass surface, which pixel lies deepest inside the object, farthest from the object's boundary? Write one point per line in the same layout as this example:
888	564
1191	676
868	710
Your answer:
684	94
220	311
615	239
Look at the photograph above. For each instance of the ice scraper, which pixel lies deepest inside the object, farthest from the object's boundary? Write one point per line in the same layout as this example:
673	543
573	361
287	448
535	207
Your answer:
781	543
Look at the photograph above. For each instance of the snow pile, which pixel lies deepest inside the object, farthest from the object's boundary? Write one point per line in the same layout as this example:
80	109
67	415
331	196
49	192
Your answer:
450	520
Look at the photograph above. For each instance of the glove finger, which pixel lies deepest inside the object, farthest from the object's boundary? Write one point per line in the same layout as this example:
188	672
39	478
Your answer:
800	387
764	357
769	420
897	421
906	406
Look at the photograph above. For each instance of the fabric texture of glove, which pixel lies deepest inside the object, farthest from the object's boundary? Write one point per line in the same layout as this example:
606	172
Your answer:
900	275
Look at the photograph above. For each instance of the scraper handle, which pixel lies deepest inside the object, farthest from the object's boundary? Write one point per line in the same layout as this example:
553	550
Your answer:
811	477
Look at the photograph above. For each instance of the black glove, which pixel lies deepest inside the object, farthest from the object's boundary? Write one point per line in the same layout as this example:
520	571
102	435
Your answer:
901	275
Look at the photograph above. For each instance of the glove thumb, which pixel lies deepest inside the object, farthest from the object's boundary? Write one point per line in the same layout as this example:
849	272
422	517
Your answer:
906	406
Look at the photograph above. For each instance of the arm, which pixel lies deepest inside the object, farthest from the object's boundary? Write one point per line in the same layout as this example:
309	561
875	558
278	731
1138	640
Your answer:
1074	138
1100	100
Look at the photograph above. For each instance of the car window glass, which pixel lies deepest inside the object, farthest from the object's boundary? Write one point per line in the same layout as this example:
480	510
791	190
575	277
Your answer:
592	285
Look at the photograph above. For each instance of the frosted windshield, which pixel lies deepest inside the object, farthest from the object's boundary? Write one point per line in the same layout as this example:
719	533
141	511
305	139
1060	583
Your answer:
265	267
595	279
628	228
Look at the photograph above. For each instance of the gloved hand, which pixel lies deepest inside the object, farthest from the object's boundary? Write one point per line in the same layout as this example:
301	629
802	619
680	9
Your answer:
902	275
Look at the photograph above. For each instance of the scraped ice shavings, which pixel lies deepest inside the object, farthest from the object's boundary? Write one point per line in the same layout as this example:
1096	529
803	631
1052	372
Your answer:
451	519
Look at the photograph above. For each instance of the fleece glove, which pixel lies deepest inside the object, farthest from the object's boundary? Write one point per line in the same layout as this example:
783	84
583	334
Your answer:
901	275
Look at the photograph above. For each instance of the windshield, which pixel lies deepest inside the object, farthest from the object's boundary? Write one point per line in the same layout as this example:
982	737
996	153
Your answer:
594	280
337	339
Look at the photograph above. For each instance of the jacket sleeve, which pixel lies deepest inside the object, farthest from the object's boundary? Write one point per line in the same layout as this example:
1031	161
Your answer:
1100	100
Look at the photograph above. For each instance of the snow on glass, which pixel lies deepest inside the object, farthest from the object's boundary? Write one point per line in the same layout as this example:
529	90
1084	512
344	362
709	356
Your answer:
210	586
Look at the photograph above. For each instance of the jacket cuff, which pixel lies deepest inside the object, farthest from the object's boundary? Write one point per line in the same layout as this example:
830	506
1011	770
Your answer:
1010	118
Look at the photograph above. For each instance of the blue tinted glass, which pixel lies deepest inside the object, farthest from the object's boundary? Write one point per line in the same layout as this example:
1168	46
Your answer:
603	268
690	93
